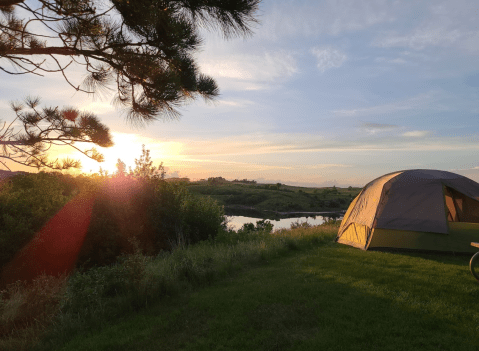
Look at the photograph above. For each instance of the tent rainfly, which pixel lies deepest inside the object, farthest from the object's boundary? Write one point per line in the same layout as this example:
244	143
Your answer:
416	209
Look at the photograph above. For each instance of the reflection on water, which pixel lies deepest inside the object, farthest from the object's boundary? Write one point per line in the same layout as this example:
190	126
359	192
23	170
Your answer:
236	222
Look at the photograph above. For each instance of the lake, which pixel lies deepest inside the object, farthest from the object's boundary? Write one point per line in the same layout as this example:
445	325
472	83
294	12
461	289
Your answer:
236	222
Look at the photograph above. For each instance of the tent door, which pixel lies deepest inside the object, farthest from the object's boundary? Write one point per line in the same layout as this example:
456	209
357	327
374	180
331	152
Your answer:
460	208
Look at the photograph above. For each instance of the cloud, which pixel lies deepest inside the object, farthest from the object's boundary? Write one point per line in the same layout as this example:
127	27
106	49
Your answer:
328	58
234	103
440	24
465	169
265	68
397	61
293	18
251	166
420	38
416	133
417	102
6	110
295	143
374	128
97	107
326	165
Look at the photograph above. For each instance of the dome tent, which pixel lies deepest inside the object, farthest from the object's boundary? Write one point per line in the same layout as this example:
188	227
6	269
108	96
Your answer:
414	209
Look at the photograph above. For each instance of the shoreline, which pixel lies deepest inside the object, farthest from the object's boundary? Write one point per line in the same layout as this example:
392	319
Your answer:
240	208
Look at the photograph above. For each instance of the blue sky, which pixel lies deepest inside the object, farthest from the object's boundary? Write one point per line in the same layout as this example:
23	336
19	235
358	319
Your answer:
324	93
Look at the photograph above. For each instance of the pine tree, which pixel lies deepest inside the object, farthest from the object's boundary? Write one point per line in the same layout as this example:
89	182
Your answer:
142	48
46	127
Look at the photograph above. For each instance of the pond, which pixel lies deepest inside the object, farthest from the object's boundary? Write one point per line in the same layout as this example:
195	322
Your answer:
236	222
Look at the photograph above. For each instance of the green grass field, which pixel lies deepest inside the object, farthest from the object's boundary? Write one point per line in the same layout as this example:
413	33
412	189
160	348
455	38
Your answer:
306	293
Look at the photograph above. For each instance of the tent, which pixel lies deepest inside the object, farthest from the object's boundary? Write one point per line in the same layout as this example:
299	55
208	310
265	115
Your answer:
416	209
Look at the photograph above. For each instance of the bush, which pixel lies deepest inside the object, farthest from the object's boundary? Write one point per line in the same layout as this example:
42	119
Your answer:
181	218
142	214
298	224
248	232
27	202
147	216
120	221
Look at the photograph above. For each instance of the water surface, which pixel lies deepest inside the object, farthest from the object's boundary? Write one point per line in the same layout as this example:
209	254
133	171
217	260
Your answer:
236	222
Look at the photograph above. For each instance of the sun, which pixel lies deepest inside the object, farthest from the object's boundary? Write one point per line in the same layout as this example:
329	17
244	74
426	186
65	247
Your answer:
127	148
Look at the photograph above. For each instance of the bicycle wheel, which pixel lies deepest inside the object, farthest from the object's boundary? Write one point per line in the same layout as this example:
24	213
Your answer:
474	265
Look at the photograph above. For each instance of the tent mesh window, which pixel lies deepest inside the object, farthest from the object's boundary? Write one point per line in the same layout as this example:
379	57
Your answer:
461	208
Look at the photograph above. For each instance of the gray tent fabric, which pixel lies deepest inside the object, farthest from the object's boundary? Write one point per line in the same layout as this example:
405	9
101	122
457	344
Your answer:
414	204
410	200
364	211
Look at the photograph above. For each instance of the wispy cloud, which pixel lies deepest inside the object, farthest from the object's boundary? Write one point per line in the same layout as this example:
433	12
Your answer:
445	24
420	38
263	144
416	133
230	103
326	165
97	107
251	165
375	128
416	102
465	169
328	58
288	19
265	68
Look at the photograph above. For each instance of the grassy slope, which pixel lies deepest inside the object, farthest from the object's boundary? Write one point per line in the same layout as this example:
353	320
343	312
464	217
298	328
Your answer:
331	297
267	197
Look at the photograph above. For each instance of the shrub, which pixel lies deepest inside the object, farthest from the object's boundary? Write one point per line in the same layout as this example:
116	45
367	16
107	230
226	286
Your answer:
27	201
298	224
120	221
181	218
248	232
146	215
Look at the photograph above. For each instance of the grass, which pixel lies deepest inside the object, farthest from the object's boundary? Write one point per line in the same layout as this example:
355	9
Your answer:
296	290
97	296
25	311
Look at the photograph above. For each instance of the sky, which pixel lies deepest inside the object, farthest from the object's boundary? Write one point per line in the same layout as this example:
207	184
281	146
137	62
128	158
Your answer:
323	93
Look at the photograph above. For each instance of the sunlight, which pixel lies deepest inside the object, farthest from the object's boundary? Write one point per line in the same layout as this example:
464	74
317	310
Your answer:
127	148
51	251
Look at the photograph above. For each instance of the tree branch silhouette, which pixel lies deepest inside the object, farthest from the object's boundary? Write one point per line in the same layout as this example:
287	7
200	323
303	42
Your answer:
42	128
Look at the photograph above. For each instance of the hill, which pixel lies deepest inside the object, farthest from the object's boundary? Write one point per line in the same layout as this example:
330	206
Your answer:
277	199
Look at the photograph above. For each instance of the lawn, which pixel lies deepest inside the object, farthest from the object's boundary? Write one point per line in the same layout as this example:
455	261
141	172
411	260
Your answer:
324	296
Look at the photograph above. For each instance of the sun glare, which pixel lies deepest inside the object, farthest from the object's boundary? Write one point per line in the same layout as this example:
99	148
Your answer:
127	148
